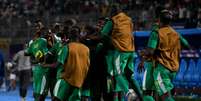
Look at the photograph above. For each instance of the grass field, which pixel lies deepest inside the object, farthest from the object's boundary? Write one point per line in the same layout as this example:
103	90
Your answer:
14	96
185	98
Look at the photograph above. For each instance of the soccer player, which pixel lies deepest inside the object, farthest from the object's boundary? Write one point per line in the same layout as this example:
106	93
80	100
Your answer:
74	57
163	51
54	44
57	40
147	86
86	91
148	80
37	49
119	57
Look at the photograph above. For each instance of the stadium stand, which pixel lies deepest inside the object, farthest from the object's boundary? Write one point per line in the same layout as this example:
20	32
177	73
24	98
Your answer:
188	76
179	77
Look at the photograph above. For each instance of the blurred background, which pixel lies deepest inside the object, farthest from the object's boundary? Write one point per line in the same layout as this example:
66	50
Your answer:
17	18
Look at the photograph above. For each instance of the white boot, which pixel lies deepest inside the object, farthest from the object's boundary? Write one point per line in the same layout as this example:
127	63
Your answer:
131	96
22	99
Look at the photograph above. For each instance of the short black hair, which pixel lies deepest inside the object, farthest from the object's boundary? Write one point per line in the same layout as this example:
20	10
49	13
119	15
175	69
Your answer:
166	17
74	32
76	29
115	8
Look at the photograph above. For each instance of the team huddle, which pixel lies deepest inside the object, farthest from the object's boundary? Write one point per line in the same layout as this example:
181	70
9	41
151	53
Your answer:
98	65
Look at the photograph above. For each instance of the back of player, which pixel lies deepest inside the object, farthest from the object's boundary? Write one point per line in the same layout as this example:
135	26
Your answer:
76	66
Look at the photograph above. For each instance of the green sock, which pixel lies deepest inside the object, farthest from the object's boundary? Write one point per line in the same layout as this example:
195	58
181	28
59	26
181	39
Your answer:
136	88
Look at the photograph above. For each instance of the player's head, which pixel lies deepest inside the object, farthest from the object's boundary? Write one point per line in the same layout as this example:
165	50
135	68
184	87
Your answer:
115	9
67	25
74	33
165	17
89	29
158	11
56	27
100	24
46	32
70	23
38	25
39	28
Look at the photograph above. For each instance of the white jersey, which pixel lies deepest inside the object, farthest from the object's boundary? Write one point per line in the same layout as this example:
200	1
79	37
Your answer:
22	61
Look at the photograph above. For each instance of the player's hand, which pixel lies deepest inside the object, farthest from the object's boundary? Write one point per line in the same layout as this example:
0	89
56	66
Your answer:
140	67
44	65
53	65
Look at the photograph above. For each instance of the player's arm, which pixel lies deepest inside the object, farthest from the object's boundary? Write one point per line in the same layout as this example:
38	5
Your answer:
151	46
103	33
51	52
27	51
107	28
147	53
55	48
62	56
184	42
15	59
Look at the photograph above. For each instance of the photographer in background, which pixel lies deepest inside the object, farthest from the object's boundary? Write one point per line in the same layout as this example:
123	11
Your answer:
22	65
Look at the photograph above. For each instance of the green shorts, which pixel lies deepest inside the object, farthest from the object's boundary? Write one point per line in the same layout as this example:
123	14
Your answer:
40	80
59	72
117	62
86	92
163	79
148	79
65	92
157	78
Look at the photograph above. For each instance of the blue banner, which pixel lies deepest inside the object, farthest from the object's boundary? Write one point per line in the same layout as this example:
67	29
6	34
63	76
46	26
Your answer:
195	31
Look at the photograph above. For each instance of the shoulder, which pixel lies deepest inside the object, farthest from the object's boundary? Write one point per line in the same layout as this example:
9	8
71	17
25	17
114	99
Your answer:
43	39
21	52
155	27
84	47
30	42
58	39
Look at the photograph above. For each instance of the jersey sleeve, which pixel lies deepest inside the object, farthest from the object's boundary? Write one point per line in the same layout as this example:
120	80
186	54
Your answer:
153	40
55	48
44	46
106	28
62	55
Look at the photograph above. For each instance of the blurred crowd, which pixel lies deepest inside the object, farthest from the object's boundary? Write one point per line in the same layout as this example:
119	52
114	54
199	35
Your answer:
16	15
